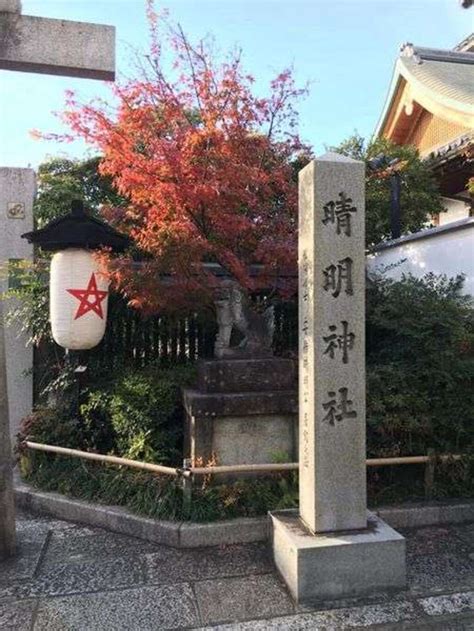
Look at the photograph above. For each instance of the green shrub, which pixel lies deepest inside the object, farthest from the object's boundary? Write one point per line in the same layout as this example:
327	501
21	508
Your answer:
139	413
161	496
420	366
51	426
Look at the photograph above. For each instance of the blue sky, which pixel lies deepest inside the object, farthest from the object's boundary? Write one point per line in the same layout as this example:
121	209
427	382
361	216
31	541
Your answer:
345	49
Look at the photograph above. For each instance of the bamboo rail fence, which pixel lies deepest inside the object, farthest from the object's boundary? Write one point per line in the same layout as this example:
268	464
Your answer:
87	455
224	469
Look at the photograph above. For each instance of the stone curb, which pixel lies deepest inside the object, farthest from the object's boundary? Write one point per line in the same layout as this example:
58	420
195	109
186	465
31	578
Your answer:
119	520
435	514
196	535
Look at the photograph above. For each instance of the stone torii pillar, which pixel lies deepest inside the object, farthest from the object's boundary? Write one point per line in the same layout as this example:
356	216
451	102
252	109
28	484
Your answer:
7	507
42	46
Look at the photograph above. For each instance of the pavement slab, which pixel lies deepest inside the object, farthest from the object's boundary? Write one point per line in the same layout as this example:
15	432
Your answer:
17	616
149	608
452	603
331	620
466	533
31	543
77	546
171	565
72	577
436	540
75	578
22	566
234	599
440	572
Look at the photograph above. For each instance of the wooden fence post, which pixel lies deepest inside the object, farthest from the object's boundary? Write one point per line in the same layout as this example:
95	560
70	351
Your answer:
430	473
187	487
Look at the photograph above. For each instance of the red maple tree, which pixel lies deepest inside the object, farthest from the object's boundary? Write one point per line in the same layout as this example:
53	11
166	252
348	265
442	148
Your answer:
209	170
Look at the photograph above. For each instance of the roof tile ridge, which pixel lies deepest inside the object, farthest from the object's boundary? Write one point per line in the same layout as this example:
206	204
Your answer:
422	53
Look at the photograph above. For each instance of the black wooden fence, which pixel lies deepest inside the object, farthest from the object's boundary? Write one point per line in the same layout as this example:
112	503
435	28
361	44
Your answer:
137	340
134	340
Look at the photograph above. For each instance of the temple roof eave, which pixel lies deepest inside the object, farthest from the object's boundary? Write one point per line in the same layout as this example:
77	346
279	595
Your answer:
433	101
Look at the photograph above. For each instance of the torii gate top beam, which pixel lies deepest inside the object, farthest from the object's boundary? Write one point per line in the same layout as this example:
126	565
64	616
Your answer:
57	47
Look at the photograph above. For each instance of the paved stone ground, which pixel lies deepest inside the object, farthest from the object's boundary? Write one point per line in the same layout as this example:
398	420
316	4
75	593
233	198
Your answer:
71	577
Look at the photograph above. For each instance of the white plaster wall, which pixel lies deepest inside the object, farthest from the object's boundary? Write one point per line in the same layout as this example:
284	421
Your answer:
440	250
16	186
456	209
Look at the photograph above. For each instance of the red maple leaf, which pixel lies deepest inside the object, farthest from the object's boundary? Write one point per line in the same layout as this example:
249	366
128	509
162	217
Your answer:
84	296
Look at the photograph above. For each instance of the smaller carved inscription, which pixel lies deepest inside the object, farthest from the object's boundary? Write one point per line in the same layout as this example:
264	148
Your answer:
304	277
305	441
338	411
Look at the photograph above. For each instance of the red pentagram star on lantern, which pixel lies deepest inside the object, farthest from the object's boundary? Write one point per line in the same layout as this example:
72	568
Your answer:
84	295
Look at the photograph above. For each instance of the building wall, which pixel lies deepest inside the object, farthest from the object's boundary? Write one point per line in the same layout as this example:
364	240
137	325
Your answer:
442	250
432	131
456	209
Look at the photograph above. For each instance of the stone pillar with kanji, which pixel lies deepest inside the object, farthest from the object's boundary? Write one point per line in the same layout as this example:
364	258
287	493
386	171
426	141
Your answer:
332	345
332	547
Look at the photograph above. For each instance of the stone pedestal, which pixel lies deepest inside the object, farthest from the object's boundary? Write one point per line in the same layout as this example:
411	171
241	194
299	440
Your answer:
335	565
243	412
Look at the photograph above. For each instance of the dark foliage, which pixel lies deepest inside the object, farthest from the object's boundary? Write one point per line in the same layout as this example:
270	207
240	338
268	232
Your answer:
420	366
419	196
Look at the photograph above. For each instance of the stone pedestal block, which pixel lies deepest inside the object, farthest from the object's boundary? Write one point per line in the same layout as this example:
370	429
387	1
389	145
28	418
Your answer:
247	375
336	565
243	412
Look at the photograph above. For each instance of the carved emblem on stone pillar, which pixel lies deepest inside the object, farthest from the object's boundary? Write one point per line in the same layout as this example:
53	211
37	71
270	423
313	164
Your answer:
15	210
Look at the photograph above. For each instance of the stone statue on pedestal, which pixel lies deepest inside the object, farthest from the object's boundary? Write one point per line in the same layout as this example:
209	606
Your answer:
234	311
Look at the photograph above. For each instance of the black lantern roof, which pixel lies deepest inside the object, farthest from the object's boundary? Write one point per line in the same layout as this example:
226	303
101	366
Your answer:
78	230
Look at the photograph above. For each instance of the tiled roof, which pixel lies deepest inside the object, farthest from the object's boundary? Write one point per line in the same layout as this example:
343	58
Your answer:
466	44
441	81
463	145
449	74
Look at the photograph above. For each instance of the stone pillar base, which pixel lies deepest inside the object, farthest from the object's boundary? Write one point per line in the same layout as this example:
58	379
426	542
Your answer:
340	564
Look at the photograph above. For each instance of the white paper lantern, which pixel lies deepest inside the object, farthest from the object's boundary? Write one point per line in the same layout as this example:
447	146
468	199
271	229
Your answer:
78	299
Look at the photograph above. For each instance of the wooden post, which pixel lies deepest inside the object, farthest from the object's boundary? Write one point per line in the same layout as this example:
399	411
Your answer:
430	473
187	486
